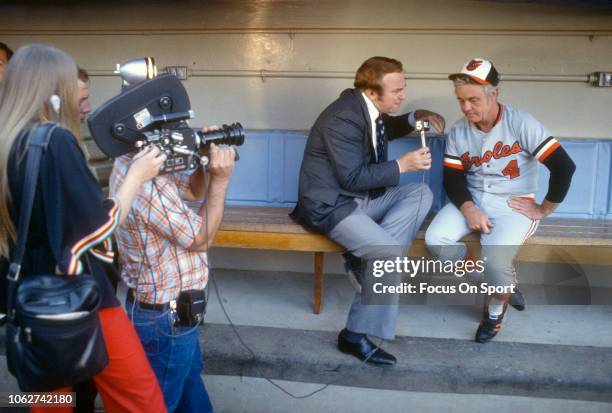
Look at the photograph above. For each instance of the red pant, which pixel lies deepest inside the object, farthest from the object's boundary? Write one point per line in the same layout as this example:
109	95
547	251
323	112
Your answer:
128	383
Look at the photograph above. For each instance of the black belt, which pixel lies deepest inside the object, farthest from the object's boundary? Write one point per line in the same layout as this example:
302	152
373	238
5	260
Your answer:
146	306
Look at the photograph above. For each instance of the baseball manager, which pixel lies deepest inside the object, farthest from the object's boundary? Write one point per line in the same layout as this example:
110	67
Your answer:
490	177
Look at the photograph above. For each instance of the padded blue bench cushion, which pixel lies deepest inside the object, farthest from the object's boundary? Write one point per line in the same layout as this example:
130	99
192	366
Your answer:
267	173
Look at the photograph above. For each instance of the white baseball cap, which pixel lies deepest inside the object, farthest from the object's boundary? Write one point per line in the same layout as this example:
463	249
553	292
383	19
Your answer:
479	70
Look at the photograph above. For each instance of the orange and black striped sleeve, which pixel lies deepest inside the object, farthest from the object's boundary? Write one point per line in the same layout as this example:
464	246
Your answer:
546	148
454	180
453	162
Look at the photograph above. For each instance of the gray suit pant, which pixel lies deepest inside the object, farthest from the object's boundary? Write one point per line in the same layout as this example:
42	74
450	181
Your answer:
382	228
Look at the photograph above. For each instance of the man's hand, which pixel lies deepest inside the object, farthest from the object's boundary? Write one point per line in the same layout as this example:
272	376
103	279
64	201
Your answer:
476	219
146	164
435	120
221	162
419	160
220	167
528	207
210	128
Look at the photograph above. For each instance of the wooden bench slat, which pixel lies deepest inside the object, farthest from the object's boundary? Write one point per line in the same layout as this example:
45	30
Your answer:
569	230
263	210
579	221
536	252
575	234
285	229
276	241
550	232
605	228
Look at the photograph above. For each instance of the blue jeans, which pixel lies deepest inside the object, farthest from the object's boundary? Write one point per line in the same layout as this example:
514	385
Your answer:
175	357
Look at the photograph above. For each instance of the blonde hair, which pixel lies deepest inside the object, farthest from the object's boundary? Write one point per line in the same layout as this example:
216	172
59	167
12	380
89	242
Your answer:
34	74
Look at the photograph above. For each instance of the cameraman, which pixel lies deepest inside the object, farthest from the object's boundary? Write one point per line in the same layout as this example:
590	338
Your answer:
5	55
163	248
84	105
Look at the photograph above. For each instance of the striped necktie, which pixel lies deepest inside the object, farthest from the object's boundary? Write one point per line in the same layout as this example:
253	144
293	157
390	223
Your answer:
381	141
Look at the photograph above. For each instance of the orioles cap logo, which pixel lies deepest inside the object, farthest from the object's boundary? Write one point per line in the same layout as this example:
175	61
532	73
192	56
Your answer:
473	65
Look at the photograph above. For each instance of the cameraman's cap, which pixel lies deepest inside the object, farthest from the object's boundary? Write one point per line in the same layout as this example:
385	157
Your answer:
480	71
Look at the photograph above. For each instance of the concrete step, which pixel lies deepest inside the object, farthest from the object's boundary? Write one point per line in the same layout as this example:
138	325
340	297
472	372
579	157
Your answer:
424	364
231	394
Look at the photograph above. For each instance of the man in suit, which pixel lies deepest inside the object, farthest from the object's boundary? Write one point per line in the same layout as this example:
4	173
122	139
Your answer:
350	191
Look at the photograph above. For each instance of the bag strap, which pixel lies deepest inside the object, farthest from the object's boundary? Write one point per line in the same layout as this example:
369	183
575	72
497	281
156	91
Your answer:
40	135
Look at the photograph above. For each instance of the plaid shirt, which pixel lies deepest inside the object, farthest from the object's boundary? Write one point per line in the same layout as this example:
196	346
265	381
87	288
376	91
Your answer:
155	237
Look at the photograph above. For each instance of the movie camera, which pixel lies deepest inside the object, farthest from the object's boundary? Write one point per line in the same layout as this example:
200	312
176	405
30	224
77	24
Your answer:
155	110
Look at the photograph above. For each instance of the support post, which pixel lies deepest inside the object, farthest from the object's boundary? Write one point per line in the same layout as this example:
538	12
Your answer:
318	283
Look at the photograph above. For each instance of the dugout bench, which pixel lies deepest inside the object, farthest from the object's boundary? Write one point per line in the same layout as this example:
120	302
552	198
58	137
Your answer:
270	228
577	241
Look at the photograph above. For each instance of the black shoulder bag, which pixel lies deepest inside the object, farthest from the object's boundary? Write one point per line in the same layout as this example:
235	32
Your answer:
53	335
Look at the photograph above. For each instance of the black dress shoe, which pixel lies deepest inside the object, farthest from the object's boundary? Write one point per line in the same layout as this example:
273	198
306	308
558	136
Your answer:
365	350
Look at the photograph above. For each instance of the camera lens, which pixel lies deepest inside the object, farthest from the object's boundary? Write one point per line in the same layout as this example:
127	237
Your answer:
228	135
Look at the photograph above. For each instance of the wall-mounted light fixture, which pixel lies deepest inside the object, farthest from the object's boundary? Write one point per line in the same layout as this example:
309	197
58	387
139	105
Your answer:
136	70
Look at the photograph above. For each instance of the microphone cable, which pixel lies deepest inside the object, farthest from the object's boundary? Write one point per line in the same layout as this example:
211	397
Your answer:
252	352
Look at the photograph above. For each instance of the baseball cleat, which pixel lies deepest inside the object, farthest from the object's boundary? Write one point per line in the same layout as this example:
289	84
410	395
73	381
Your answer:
488	329
490	325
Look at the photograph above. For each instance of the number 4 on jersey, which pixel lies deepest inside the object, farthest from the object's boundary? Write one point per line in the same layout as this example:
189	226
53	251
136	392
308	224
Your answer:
512	170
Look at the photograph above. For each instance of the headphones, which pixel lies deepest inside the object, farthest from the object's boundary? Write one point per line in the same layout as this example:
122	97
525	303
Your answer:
55	102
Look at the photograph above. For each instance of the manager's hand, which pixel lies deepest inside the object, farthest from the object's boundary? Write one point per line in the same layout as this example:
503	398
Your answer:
476	219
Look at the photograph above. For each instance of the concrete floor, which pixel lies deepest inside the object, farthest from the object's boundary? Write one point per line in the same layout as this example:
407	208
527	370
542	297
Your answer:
284	299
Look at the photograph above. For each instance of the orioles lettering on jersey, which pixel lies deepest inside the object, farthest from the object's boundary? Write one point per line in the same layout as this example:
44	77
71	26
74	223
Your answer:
465	161
499	151
503	160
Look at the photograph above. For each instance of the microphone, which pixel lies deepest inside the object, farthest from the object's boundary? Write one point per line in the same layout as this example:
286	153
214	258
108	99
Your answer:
422	126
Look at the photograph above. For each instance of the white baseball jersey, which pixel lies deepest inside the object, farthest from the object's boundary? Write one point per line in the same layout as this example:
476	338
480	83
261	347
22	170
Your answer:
503	160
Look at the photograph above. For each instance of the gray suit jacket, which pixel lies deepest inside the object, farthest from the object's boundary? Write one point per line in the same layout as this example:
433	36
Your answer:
339	162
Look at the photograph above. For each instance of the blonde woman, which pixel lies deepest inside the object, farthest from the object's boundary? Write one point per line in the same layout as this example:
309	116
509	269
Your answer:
70	217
